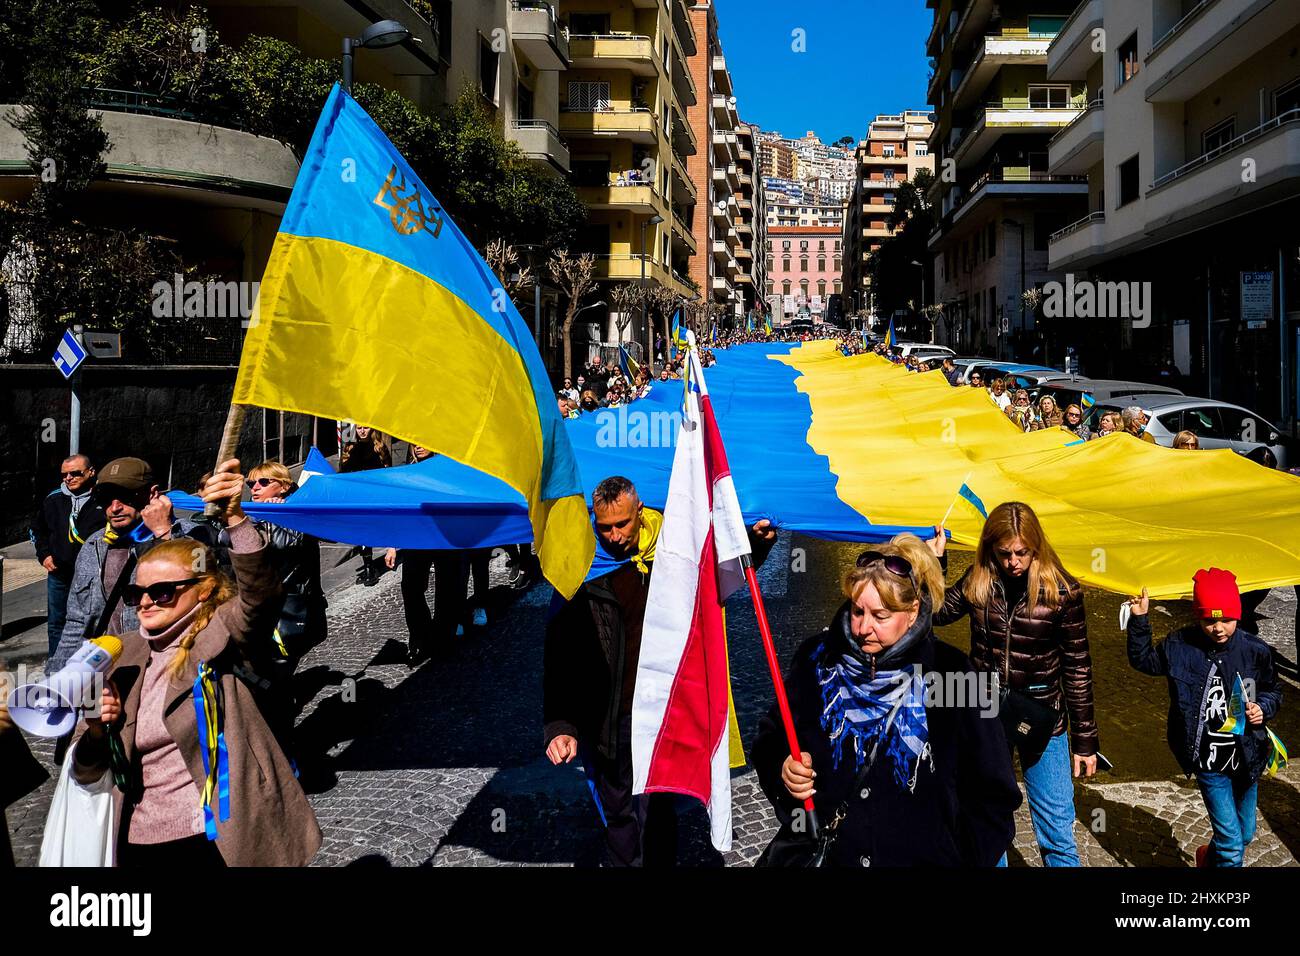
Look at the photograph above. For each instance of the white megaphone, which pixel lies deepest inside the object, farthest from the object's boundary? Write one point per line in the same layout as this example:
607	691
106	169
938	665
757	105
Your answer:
49	709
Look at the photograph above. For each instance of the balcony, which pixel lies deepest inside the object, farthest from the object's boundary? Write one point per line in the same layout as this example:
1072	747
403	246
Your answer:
637	125
540	142
682	233
974	21
1081	145
682	24
634	197
684	141
721	251
721	76
996	52
725	146
627	268
149	154
1216	37
684	86
1009	116
538	35
1071	54
720	284
613	51
1203	191
885	184
1014	183
682	180
1078	244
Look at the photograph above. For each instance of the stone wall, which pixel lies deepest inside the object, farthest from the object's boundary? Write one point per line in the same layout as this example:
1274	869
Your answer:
171	416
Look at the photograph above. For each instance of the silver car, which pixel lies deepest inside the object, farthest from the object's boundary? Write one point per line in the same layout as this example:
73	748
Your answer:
1216	424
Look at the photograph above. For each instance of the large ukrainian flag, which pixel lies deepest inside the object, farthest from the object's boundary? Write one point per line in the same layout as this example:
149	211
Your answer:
376	309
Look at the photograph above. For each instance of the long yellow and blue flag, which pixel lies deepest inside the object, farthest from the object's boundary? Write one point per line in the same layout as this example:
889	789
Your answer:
678	338
891	337
375	308
627	364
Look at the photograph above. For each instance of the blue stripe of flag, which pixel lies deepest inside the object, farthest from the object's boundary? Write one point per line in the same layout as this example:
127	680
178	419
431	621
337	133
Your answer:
974	499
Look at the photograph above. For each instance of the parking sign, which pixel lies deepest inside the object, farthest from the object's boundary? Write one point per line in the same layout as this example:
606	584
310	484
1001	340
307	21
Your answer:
69	355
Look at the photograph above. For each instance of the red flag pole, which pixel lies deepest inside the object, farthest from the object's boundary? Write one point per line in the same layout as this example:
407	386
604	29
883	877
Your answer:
774	665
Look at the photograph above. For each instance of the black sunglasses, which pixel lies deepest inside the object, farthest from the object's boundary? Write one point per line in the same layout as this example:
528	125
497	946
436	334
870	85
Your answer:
259	482
164	592
895	564
73	474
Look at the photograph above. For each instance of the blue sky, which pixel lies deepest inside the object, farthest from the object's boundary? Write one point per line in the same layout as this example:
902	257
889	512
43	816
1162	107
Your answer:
864	57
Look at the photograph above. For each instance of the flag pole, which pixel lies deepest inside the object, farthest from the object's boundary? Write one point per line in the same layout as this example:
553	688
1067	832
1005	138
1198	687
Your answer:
774	665
227	449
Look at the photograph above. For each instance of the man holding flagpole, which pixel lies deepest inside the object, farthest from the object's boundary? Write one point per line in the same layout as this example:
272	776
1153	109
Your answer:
593	645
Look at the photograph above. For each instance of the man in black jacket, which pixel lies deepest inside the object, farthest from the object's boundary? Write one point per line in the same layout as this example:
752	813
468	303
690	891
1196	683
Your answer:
68	515
593	643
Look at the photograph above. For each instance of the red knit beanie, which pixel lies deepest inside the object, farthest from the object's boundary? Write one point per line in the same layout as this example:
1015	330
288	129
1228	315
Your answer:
1215	594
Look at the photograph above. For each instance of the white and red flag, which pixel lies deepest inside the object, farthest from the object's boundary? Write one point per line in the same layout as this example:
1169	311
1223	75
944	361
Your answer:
681	707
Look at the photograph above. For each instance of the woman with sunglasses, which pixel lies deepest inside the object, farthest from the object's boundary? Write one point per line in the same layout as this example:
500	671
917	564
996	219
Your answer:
1074	422
1028	626
1020	411
899	756
198	792
1187	440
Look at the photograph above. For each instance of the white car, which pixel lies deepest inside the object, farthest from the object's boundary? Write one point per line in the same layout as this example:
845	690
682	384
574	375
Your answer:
1216	424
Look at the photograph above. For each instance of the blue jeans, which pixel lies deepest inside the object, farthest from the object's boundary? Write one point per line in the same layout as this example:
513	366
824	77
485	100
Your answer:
56	608
1049	781
1231	804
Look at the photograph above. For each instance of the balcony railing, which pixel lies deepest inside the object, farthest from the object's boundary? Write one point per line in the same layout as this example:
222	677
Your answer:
1174	31
1283	119
133	101
1096	104
536	123
1089	220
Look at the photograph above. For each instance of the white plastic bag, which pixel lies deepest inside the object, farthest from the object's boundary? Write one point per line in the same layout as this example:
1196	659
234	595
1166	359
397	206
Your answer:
79	827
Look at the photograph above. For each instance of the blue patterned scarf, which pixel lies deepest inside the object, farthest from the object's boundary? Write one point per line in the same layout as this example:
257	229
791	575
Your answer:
885	714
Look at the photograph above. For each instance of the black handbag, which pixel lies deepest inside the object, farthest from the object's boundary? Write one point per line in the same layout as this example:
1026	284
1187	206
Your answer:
1028	722
791	850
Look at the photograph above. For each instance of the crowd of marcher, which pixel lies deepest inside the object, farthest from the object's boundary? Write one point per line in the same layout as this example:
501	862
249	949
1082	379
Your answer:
219	610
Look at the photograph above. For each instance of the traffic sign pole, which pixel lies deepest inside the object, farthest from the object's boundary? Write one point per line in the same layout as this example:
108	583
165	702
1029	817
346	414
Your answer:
74	426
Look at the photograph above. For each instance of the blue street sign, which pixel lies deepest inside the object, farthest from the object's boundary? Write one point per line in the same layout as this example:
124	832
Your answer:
69	355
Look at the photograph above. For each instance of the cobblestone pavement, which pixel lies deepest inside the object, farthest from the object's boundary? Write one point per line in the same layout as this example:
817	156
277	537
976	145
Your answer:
443	765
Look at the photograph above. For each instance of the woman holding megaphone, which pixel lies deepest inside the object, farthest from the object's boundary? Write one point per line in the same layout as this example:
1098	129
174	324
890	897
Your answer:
201	777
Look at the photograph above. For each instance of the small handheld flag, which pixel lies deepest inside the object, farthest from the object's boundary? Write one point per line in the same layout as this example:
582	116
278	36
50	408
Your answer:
1277	759
891	337
1236	722
627	364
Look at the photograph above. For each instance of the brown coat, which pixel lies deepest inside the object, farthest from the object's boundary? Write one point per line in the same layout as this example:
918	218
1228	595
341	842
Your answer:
271	823
1036	646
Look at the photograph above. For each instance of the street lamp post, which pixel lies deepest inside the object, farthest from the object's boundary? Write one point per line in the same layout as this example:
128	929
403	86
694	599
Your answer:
920	311
1021	227
385	33
645	316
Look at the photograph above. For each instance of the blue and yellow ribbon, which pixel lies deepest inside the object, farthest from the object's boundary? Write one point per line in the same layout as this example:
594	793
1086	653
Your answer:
209	710
1277	759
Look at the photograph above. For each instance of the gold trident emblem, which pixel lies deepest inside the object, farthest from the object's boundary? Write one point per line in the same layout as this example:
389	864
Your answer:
406	212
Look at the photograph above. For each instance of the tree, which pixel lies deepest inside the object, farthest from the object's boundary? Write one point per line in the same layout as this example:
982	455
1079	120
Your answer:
844	142
574	276
626	298
503	260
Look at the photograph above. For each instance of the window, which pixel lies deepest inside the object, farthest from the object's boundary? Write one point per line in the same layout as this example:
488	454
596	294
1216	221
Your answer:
1206	422
441	10
821	264
487	69
524	102
585	24
588	96
1220	134
922	149
837	245
821	288
770	264
888	152
1049	97
821	245
803	265
1126	60
836	286
1287	98
1045	26
1129	189
803	245
785	287
786	245
836	265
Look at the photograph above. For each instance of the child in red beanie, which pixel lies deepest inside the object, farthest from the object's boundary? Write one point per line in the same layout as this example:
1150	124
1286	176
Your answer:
1203	663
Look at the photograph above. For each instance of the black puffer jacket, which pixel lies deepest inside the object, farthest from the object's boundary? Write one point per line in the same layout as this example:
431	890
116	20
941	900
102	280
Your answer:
961	811
1040	651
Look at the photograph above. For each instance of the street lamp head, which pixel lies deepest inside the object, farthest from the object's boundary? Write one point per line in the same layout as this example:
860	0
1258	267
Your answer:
383	34
655	220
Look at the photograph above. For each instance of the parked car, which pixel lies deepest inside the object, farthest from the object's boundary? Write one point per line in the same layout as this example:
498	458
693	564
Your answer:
916	348
1086	392
1022	376
1216	424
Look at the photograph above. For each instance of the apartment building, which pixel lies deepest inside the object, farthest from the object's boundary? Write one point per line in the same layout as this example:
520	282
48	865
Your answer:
803	272
623	113
809	210
752	226
718	221
776	157
895	149
1190	145
997	201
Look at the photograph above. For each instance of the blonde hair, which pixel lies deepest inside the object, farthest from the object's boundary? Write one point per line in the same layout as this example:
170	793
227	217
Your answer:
897	593
1005	523
1185	436
188	552
272	469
